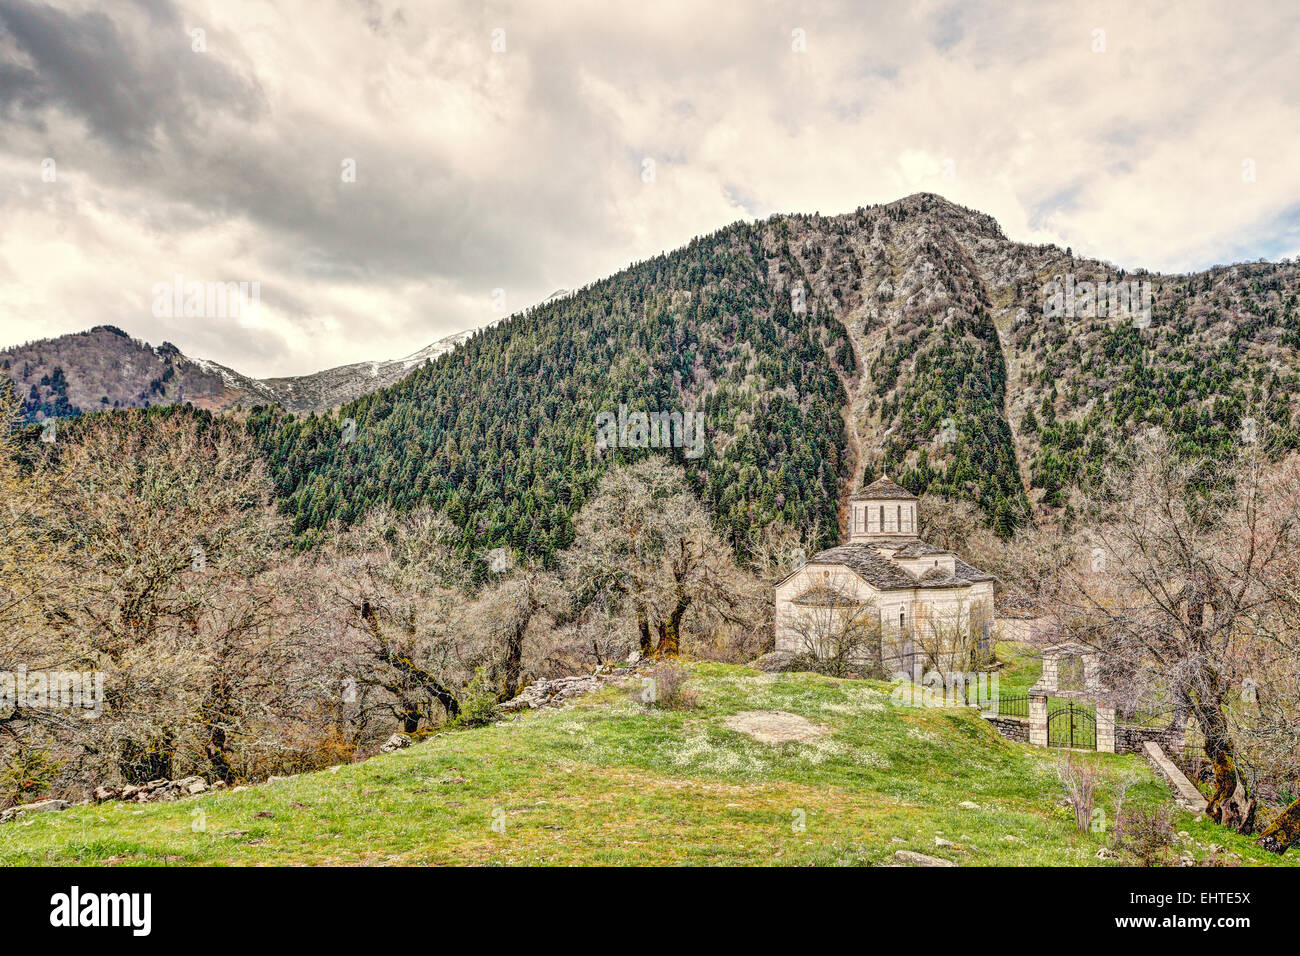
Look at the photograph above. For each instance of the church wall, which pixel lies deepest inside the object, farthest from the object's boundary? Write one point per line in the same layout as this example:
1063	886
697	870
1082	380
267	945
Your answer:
918	566
788	636
920	605
940	608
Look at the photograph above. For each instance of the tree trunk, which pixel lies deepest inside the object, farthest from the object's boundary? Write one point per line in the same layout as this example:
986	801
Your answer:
514	659
216	754
647	646
410	719
670	631
216	712
1232	804
1282	832
214	749
409	669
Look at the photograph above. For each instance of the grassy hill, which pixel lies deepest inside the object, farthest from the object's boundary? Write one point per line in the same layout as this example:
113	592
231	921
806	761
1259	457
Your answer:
612	781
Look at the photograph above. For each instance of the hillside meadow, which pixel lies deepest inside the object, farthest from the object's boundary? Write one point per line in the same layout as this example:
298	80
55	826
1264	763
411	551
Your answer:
611	780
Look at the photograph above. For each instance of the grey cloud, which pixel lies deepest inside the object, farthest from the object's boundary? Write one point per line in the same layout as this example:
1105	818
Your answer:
522	171
127	83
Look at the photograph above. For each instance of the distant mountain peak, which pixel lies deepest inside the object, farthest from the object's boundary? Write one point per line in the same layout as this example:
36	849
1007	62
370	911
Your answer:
104	367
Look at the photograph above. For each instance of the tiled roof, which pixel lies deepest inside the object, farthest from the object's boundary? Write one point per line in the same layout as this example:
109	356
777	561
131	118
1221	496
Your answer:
914	548
884	488
884	575
879	572
971	573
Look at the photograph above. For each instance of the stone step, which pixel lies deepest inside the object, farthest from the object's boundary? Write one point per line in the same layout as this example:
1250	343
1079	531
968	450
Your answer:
1185	793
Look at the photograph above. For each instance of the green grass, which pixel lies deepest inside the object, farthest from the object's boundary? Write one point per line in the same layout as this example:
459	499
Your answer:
1022	666
611	781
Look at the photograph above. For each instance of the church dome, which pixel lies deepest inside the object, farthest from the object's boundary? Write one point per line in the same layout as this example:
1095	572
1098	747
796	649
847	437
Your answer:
882	509
883	488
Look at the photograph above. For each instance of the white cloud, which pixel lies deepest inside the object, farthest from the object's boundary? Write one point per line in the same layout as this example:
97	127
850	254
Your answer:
522	170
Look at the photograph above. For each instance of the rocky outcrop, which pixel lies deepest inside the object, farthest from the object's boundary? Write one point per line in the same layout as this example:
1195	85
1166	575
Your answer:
559	691
554	693
774	662
912	858
395	742
41	806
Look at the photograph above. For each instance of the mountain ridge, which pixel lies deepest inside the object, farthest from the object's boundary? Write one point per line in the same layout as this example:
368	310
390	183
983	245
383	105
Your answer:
56	376
911	337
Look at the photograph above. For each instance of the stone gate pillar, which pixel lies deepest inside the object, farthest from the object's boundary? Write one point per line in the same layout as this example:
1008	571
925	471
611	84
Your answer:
1105	727
1091	672
1037	718
1050	675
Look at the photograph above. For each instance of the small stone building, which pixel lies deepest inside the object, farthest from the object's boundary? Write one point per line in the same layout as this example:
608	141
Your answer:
915	595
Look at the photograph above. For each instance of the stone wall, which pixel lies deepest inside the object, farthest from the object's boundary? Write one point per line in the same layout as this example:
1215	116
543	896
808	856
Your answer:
1129	740
1012	728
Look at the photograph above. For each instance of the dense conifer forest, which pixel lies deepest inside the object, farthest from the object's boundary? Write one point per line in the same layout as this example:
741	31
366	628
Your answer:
501	434
909	339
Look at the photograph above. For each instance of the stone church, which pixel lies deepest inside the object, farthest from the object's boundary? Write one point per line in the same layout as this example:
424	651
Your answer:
920	604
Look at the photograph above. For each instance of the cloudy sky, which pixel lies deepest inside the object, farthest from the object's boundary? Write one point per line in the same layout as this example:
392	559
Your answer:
501	146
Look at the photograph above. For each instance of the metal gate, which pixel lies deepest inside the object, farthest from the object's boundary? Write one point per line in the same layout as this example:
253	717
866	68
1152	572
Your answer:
1072	725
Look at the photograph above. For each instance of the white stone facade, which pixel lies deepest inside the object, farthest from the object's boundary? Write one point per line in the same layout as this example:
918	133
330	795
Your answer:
914	596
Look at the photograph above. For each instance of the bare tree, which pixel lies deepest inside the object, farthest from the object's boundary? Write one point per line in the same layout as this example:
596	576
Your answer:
163	532
505	614
1185	578
836	631
643	538
947	523
397	586
953	640
775	550
30	566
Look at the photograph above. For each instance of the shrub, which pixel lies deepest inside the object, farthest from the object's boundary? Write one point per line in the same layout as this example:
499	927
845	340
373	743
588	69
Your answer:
26	776
1145	832
478	704
1079	777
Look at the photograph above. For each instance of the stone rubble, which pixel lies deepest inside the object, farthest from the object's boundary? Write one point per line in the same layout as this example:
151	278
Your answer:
157	790
912	858
152	792
40	806
560	690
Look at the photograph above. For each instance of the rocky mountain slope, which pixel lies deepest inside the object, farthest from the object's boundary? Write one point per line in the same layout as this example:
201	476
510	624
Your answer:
978	381
105	368
913	338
